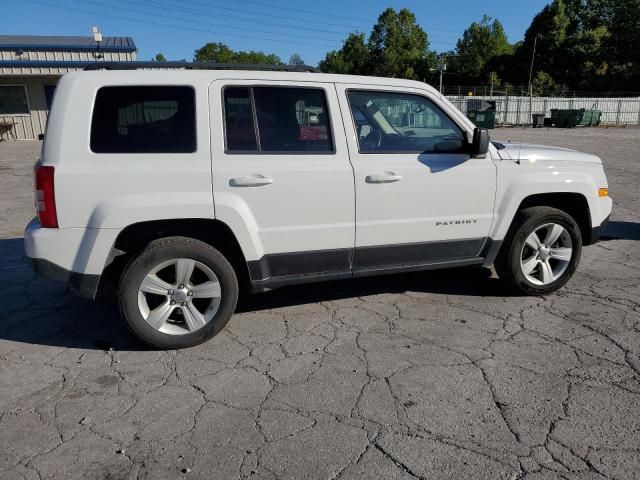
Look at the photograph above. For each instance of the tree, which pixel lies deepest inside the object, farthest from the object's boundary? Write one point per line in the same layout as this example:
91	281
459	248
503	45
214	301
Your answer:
548	31
397	47
545	86
352	58
221	53
479	45
589	45
159	58
296	59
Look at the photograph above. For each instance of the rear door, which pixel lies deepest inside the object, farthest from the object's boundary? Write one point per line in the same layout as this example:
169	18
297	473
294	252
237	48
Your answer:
420	197
282	178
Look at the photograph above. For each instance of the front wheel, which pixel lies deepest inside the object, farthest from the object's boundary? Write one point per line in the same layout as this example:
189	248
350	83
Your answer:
179	292
541	251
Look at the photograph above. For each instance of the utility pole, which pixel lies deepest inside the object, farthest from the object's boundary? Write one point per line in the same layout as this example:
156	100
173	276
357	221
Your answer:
441	67
533	57
491	91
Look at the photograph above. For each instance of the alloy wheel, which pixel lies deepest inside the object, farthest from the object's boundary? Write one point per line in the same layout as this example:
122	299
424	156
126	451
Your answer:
179	296
546	254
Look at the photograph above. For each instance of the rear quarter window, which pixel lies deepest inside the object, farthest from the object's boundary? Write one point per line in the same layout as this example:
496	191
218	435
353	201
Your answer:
144	119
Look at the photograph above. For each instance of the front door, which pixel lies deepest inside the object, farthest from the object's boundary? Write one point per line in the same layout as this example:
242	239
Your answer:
420	197
282	178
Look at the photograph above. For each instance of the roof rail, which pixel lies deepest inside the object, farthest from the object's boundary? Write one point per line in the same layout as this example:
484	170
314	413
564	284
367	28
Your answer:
198	66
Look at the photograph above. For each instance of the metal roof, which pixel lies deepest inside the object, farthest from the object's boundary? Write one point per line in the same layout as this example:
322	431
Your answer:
62	43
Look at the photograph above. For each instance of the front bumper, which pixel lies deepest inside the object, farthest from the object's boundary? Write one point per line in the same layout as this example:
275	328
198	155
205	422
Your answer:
82	284
598	232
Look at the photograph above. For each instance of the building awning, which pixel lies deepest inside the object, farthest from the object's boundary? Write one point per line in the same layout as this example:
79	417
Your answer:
65	43
75	65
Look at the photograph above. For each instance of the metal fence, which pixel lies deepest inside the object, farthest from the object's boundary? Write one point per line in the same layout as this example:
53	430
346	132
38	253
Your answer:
517	110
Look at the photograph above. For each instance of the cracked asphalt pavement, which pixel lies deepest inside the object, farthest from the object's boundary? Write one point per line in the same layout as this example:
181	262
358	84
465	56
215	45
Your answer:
428	375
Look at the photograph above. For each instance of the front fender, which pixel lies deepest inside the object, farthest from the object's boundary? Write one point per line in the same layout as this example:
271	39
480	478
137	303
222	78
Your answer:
517	182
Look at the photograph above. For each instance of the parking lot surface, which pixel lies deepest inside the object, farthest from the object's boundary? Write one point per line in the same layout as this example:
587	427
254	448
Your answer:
432	375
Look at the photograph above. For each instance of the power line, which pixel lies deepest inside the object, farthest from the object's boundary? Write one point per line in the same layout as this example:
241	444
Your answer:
202	22
192	11
158	24
283	17
271	5
260	20
270	15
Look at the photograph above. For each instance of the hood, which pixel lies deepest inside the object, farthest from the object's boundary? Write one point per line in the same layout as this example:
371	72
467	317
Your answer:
533	153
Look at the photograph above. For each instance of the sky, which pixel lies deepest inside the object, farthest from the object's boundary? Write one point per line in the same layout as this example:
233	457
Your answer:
310	28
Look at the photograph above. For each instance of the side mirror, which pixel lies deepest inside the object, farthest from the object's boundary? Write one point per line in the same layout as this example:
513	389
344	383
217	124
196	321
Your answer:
480	144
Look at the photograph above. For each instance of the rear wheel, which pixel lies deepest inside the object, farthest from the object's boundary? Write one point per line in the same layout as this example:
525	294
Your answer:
179	292
541	252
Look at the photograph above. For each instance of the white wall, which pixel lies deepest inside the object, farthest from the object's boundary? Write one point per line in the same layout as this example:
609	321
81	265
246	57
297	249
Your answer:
515	110
29	126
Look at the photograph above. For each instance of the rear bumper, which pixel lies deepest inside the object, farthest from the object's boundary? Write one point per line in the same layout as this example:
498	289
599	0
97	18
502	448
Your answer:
76	256
82	284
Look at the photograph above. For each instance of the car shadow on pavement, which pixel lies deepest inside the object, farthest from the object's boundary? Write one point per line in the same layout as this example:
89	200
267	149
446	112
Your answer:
622	231
43	312
37	311
466	281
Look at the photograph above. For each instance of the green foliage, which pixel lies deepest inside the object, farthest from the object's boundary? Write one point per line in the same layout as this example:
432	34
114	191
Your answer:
480	43
585	45
352	58
221	53
296	59
159	58
589	45
397	47
545	86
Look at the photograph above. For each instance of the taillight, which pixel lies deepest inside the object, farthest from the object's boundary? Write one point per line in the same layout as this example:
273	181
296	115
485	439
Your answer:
45	197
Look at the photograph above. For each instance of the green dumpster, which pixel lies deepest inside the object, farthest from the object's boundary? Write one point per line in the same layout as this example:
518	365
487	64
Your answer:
486	119
482	112
571	118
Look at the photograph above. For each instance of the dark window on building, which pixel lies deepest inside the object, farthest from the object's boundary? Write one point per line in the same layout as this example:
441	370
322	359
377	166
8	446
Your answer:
292	120
13	100
144	119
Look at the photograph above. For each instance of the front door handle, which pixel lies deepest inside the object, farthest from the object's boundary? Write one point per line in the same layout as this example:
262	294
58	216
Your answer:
250	181
385	177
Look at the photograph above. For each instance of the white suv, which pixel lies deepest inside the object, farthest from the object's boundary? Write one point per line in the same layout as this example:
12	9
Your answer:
177	187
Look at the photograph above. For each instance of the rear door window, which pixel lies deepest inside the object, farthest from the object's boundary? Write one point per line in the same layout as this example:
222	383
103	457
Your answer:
276	119
144	119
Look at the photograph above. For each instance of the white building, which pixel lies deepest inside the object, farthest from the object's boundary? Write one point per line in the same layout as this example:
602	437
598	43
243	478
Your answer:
30	67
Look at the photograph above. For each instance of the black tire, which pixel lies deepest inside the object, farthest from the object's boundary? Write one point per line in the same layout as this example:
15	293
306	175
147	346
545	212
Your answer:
508	265
162	250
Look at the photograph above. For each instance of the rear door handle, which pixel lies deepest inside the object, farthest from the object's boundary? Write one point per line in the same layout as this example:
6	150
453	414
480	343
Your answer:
250	181
385	177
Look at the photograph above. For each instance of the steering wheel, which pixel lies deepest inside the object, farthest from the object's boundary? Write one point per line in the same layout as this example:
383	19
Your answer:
373	141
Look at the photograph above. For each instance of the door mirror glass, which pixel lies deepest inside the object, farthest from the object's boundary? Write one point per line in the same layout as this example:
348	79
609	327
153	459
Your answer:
480	145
